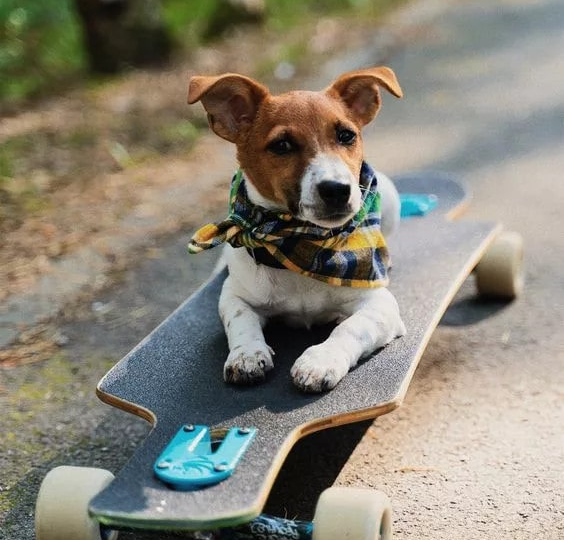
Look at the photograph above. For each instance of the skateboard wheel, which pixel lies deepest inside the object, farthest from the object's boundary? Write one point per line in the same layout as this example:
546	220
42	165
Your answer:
61	510
499	273
352	513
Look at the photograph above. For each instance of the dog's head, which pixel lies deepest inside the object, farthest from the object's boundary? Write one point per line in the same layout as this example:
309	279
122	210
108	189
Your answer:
302	151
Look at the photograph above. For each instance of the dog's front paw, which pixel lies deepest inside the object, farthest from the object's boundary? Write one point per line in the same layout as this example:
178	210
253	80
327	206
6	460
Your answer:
247	366
319	369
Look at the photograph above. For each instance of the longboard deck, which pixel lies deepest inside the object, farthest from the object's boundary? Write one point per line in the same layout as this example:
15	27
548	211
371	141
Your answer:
174	377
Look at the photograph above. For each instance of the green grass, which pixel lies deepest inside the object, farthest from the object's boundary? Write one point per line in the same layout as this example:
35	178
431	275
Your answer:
40	46
186	21
285	14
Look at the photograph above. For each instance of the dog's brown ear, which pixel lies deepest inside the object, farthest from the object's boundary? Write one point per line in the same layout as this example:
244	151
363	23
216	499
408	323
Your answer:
230	100
359	91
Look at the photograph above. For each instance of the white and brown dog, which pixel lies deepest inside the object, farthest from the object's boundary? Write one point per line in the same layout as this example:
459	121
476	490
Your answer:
301	156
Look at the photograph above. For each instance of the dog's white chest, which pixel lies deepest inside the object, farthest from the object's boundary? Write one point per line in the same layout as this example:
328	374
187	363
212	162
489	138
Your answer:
272	292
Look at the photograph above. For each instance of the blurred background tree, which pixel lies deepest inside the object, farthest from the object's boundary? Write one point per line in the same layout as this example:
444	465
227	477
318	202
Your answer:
120	33
45	44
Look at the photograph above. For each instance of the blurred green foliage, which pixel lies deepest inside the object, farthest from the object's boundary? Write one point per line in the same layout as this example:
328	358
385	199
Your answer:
41	43
283	14
189	19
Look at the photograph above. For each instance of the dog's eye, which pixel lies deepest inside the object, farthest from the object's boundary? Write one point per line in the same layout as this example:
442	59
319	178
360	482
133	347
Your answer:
281	147
346	136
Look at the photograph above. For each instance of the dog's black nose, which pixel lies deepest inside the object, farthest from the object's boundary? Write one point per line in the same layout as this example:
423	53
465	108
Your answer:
334	194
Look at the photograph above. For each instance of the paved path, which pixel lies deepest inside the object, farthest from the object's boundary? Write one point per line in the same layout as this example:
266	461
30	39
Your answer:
477	450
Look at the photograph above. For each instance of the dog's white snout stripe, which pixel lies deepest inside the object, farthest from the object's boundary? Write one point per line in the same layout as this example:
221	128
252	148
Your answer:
326	168
323	168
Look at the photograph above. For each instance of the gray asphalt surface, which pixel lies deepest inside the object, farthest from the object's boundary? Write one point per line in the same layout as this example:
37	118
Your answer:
477	451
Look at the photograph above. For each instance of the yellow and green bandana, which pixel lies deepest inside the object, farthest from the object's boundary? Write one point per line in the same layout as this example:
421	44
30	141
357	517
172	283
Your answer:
354	255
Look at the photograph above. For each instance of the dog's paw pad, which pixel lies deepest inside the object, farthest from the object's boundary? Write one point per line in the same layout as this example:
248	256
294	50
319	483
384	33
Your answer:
317	370
245	367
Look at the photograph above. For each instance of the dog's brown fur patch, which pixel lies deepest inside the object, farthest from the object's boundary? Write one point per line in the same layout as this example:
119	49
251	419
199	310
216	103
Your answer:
310	120
243	111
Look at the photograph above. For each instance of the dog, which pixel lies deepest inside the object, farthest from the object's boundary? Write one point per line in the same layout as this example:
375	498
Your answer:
305	234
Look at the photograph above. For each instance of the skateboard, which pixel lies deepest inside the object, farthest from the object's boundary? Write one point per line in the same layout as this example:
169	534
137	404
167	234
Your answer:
232	441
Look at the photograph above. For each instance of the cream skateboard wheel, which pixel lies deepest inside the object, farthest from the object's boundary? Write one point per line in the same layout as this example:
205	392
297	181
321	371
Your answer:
352	513
61	510
499	273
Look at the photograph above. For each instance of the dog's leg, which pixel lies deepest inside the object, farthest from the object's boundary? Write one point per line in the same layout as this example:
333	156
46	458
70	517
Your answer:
373	324
250	358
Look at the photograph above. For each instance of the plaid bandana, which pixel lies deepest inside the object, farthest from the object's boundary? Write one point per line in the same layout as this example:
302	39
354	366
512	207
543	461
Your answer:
354	255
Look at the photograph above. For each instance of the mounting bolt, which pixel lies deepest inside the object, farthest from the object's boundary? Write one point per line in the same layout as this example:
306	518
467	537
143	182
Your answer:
163	465
221	467
189	427
244	431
